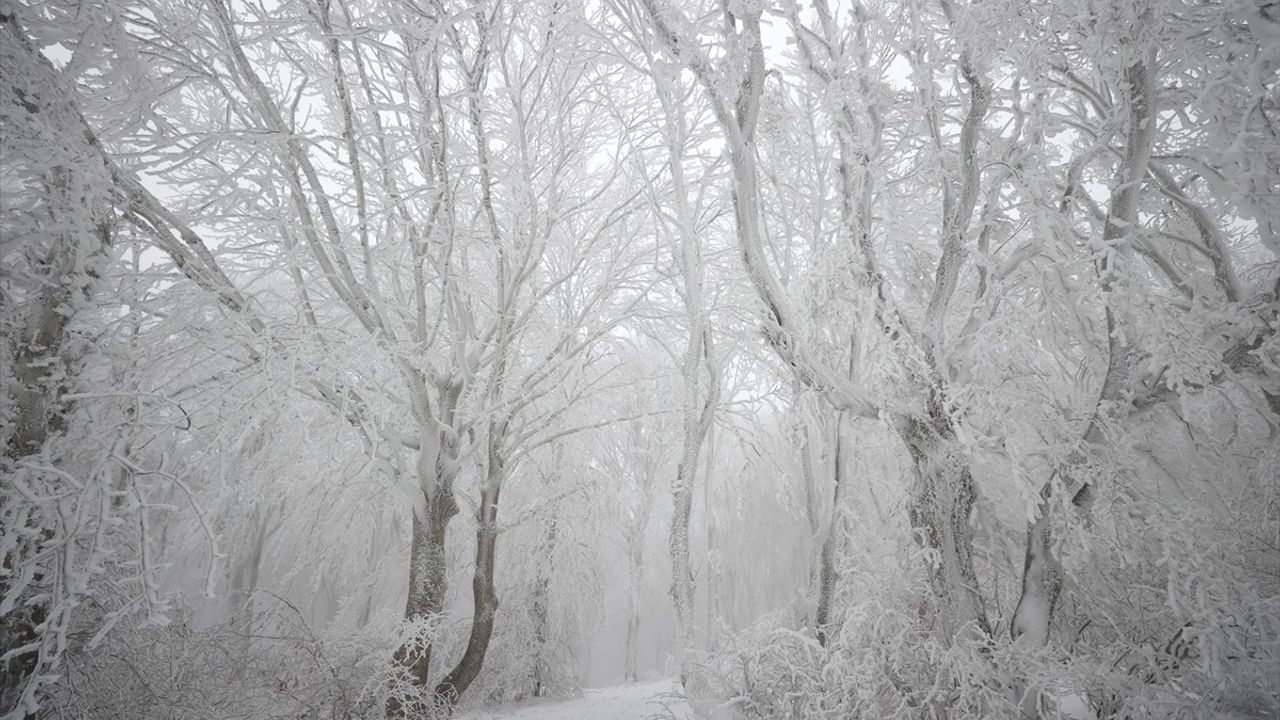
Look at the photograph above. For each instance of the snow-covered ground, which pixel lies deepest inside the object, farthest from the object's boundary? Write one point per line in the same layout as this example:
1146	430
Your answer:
660	700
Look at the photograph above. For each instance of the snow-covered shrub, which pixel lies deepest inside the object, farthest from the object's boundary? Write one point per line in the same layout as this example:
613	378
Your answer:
884	662
274	666
1173	602
1170	608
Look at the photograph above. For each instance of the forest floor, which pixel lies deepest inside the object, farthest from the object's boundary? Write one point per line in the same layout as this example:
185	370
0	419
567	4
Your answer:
660	700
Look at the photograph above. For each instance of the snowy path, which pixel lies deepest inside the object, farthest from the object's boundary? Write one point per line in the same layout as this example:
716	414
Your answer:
644	701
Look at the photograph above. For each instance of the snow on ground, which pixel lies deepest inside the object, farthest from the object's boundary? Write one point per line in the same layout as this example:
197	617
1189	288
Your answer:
660	700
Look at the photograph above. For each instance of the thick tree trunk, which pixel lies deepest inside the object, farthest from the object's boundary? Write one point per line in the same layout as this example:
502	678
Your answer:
41	375
484	604
483	590
427	583
428	566
941	503
37	415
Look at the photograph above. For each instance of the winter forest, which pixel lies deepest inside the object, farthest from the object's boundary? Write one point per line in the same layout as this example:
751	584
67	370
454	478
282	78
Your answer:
832	359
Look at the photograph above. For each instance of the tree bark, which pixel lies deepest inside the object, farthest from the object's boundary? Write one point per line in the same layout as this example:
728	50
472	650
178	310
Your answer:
636	567
483	591
42	374
541	609
832	541
427	579
715	558
681	569
428	566
941	503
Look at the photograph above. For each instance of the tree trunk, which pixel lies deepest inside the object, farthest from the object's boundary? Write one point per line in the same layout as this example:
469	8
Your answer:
245	577
633	605
815	522
366	607
42	374
484	597
696	423
715	557
941	502
428	566
681	570
699	400
427	581
483	590
831	542
541	621
633	637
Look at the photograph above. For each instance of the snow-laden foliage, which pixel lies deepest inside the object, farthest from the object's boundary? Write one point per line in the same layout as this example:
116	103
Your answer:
272	665
1173	612
883	662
